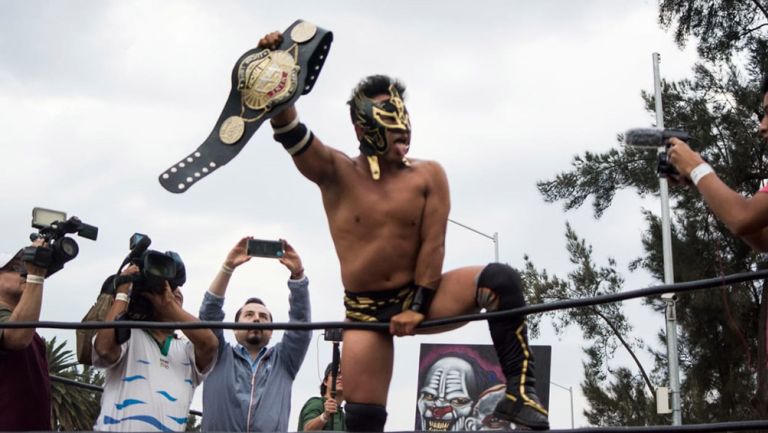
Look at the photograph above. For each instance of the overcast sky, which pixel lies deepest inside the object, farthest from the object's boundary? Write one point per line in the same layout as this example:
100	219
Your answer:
97	98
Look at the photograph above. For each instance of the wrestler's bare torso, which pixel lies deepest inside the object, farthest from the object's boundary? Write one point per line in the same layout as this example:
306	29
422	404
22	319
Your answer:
376	224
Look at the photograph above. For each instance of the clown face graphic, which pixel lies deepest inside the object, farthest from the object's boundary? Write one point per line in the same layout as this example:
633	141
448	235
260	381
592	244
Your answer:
447	396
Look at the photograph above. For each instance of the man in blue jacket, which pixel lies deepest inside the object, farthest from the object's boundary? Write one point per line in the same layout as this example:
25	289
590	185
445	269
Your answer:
250	387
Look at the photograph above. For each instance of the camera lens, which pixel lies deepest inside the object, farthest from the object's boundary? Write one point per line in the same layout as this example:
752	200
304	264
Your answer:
68	248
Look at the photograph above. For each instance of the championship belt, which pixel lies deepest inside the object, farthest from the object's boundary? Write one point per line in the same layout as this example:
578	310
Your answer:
264	83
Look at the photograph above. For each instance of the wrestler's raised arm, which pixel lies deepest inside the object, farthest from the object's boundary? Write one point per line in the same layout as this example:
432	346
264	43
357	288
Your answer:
313	159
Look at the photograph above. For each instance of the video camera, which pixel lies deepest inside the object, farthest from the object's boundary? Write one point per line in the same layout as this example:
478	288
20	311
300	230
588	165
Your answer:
155	268
653	138
53	226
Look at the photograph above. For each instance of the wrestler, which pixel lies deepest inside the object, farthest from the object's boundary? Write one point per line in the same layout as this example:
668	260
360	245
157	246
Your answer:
388	215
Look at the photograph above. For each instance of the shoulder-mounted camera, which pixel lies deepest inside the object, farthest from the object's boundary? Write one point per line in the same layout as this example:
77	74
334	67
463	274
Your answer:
155	268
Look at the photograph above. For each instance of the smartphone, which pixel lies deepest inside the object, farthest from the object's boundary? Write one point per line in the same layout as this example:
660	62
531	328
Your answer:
262	248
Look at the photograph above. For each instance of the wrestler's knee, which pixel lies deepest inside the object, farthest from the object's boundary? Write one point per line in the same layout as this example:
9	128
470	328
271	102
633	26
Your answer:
362	417
499	287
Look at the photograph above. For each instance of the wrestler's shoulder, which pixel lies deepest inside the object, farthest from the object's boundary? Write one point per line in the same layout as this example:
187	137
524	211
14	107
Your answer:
426	165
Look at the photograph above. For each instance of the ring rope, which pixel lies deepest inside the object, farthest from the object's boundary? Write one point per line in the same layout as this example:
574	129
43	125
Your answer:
685	287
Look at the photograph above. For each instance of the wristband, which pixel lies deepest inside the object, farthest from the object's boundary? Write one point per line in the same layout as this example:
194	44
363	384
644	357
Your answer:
35	279
227	270
323	417
422	298
122	297
700	171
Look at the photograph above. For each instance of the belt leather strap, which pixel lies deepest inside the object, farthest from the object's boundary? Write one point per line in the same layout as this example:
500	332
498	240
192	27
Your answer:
264	83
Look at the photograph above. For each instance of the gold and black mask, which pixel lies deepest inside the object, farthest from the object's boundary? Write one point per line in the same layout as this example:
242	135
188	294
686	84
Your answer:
375	118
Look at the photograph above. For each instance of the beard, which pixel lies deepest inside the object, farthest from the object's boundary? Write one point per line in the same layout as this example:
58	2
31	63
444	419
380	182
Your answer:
256	338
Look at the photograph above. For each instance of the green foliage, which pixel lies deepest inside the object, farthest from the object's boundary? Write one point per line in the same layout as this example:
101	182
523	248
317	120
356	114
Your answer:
72	408
722	345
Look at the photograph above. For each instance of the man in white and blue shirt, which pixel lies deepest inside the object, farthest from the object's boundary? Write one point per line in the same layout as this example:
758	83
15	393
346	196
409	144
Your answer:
152	375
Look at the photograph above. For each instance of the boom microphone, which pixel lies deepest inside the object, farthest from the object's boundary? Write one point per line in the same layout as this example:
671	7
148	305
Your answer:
652	137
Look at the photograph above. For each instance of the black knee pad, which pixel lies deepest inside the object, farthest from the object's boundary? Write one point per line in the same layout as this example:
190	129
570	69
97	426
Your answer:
361	417
505	284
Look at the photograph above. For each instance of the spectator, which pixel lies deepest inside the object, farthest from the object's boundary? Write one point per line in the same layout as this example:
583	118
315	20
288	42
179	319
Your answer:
746	217
151	374
25	389
250	388
325	412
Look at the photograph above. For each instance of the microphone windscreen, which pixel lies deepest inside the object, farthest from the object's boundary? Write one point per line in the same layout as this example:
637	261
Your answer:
644	137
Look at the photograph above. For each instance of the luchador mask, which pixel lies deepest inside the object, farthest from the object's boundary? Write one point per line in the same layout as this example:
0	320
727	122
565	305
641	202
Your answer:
375	118
446	399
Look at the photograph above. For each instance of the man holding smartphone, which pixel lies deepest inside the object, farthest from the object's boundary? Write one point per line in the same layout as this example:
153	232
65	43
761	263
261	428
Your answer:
387	216
250	387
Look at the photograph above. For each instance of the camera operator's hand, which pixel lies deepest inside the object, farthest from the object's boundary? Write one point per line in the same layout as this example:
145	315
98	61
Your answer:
292	261
125	287
682	157
238	254
167	304
30	267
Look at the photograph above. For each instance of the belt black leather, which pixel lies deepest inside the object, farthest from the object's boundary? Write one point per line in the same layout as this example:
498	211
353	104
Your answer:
264	83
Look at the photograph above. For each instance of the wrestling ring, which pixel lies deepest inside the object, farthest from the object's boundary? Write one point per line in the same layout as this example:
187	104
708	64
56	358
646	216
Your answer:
679	288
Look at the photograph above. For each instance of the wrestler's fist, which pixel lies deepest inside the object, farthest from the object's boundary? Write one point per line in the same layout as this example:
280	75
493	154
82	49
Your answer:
271	41
405	323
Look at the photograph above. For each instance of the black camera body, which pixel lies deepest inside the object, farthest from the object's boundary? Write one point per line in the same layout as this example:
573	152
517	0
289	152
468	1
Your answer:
53	227
334	335
155	268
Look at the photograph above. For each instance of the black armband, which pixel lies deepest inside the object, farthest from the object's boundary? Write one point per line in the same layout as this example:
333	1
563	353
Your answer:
295	137
422	299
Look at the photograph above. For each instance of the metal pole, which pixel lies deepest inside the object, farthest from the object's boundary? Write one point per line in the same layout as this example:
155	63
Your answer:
669	276
570	390
494	238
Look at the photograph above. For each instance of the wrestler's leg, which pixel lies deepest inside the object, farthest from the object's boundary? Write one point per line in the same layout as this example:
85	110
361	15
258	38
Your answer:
366	364
497	287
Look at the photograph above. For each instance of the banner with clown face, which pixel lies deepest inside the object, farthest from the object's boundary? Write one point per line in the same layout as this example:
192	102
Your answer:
460	384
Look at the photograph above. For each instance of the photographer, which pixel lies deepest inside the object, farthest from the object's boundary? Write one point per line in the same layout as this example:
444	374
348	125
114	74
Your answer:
746	217
25	389
325	412
152	375
250	388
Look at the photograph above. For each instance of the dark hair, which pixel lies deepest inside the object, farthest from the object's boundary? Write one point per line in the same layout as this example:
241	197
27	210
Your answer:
328	371
371	86
764	86
251	301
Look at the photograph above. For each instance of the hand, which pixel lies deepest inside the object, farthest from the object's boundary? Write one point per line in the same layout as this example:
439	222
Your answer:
31	268
682	157
238	254
292	261
165	303
271	41
126	287
405	323
331	407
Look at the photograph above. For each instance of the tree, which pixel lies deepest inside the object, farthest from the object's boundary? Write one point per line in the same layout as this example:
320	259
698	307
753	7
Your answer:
722	334
72	408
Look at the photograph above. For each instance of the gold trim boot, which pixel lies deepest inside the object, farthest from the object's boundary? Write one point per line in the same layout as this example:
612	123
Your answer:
522	407
499	288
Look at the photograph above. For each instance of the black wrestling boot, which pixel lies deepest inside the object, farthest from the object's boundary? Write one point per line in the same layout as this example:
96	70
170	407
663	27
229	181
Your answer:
510	339
523	408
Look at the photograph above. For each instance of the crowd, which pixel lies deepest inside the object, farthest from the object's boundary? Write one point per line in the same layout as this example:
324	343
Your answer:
151	374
